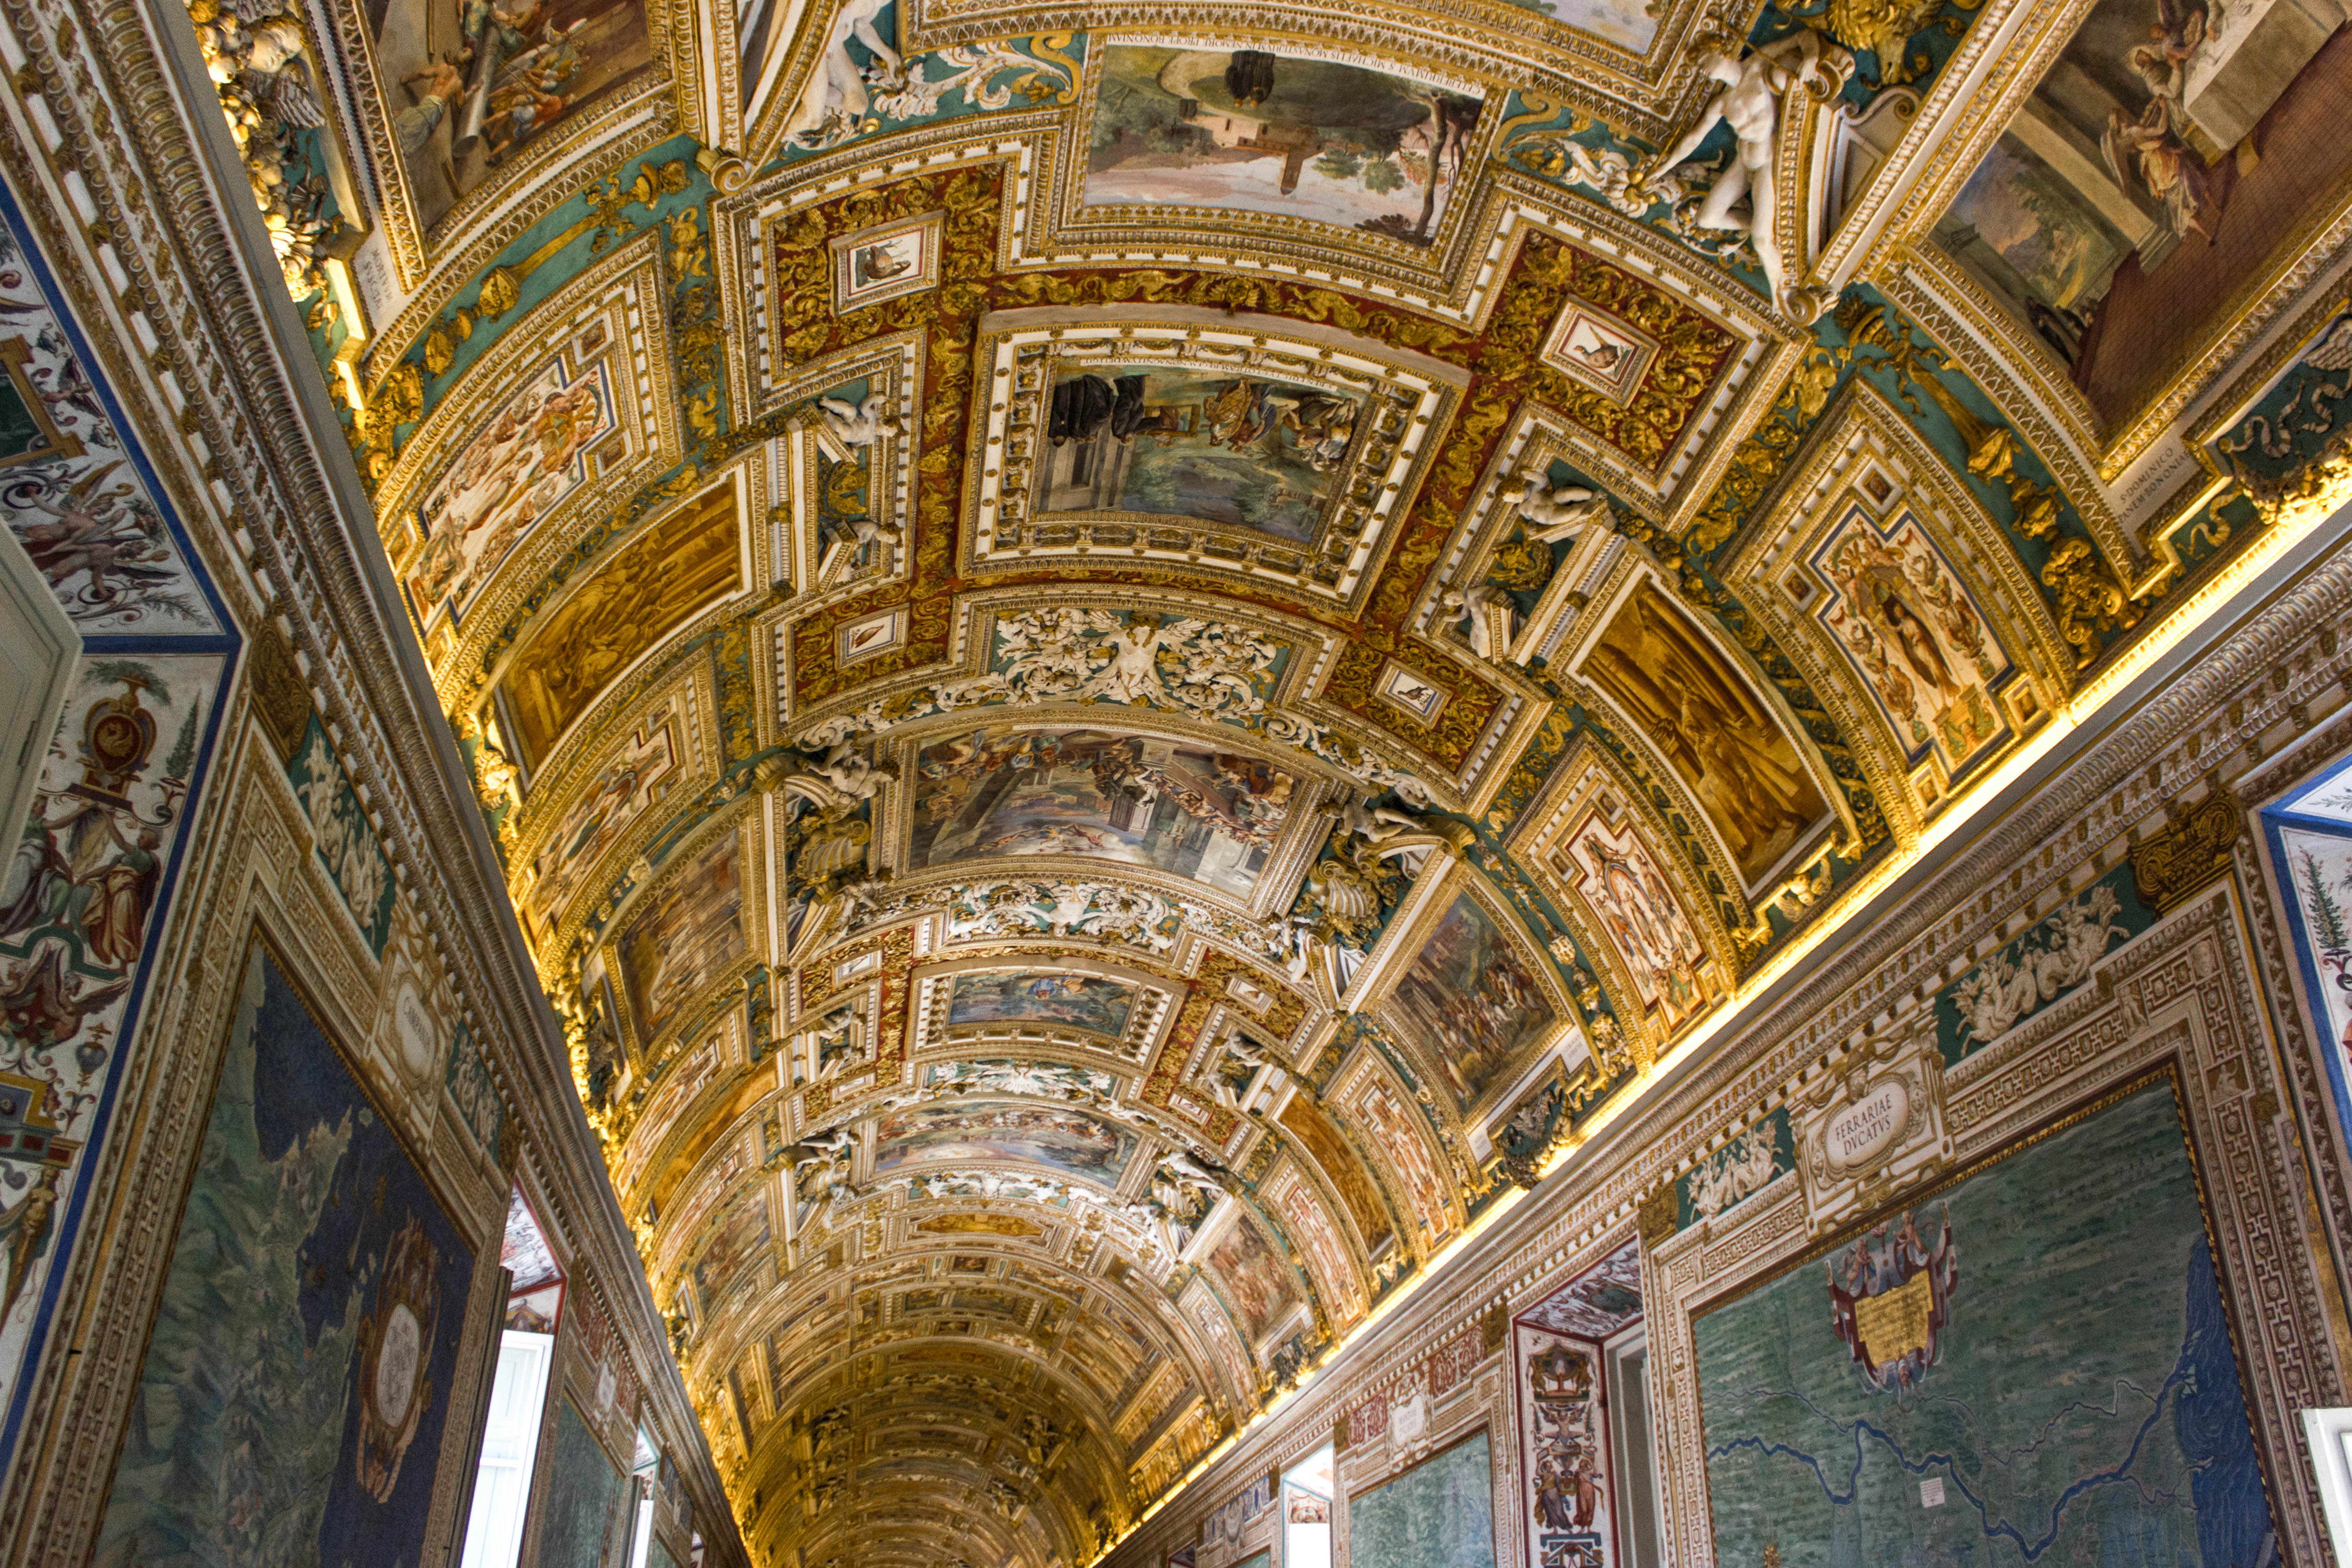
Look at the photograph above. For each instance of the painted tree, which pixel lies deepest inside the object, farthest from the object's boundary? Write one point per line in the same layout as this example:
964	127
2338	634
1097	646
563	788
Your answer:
2328	922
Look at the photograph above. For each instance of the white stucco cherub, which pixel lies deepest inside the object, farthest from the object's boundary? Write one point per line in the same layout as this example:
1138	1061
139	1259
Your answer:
857	425
1553	511
1747	97
833	106
1476	602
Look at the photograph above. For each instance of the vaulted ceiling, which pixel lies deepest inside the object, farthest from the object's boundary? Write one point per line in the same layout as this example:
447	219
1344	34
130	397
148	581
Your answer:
1126	666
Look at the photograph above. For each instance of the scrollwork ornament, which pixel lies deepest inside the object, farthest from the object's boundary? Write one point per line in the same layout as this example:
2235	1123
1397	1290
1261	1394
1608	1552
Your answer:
2090	602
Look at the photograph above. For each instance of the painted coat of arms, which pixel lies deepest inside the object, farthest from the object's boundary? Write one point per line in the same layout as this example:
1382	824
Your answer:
1890	1301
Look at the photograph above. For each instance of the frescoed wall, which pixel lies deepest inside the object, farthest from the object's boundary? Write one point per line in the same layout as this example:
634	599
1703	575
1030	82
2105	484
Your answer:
91	874
304	1354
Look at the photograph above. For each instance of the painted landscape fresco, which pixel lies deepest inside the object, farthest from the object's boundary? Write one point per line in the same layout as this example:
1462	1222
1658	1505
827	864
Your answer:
1717	735
1469	998
1243	451
1087	1002
519	467
1253	130
304	1357
1175	806
2168	159
691	930
1903	1389
1068	1142
470	88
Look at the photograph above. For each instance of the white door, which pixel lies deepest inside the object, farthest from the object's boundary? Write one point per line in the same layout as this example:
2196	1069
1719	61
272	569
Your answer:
510	1445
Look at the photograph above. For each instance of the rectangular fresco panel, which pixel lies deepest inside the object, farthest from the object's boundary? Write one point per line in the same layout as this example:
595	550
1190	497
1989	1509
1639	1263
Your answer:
1563	1432
1470	999
631	784
587	1505
1397	1134
1438	1514
530	457
1255	1281
304	1357
1344	1168
1085	1001
1640	914
739	1239
1175	806
2166	162
1243	451
1914	636
625	607
1256	131
468	88
1067	1143
2034	1366
1006	1075
1726	747
692	931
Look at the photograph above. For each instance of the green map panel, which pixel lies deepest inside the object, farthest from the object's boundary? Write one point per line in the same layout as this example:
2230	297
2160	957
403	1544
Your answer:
1439	1514
587	1500
2049	1377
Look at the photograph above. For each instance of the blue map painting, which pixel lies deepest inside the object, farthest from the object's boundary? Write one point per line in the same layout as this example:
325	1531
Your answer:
1438	1514
305	1355
2033	1366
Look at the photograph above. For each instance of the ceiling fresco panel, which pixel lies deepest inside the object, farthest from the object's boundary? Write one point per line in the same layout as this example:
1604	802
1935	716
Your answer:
468	109
1276	131
662	758
1182	435
679	568
1669	680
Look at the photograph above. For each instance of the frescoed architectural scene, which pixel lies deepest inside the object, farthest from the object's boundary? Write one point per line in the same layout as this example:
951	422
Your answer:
1424	784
